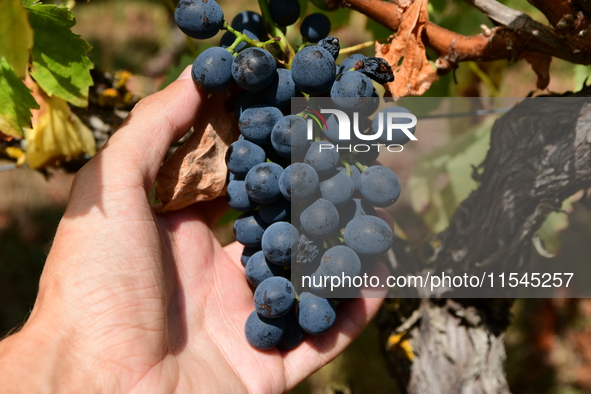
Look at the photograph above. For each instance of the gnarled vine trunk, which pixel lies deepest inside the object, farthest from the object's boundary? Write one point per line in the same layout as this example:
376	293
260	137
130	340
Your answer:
540	154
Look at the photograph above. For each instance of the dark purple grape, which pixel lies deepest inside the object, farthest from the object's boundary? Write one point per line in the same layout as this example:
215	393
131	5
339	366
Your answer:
315	314
256	123
249	229
368	235
298	182
263	333
278	242
212	70
253	69
320	219
315	27
262	182
199	19
281	90
258	268
380	186
238	197
250	20
274	297
313	70
242	156
284	12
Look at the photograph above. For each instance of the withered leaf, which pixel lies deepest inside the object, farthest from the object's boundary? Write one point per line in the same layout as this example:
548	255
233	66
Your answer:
540	63
413	73
197	170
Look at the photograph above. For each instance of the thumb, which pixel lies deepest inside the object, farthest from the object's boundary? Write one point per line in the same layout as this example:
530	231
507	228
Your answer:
133	155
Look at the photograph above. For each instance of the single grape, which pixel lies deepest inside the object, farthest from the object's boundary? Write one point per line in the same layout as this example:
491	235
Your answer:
315	27
212	70
277	211
258	268
199	19
238	197
251	21
320	219
289	136
274	297
350	62
280	90
284	12
242	156
340	260
315	314
298	182
338	189
380	186
253	69
293	334
349	89
368	235
331	44
323	157
262	182
228	39
263	333
247	253
256	123
278	242
313	70
249	229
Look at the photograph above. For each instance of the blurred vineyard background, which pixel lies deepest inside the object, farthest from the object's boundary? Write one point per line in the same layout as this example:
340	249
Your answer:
549	343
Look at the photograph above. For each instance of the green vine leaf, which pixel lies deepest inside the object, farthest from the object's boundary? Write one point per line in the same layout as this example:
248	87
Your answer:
16	102
60	65
16	36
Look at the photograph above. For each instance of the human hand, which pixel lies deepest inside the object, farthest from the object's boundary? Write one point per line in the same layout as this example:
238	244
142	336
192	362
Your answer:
134	301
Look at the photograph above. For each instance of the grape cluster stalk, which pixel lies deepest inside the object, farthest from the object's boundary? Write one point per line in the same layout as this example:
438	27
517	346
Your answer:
303	206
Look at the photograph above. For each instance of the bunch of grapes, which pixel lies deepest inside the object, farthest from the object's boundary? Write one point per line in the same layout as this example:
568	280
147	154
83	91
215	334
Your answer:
303	206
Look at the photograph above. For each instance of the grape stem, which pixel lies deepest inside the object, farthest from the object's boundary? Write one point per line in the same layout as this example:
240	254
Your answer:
361	166
240	37
357	47
347	167
276	32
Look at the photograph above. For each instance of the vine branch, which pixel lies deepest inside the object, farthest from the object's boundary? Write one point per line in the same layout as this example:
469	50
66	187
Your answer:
516	35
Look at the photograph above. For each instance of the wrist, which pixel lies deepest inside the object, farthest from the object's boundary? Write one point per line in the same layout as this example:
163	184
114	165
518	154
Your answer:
34	363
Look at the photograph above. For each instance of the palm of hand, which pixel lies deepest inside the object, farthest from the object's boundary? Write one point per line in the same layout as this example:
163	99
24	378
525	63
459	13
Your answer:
150	302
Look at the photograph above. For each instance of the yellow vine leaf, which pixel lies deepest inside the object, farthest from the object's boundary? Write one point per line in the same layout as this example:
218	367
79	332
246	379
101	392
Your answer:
57	134
15	153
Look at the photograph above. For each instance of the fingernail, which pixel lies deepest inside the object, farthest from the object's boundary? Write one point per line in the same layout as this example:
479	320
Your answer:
186	74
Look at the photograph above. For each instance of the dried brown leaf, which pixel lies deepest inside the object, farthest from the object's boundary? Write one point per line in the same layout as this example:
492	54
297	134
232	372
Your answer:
406	54
540	63
197	170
